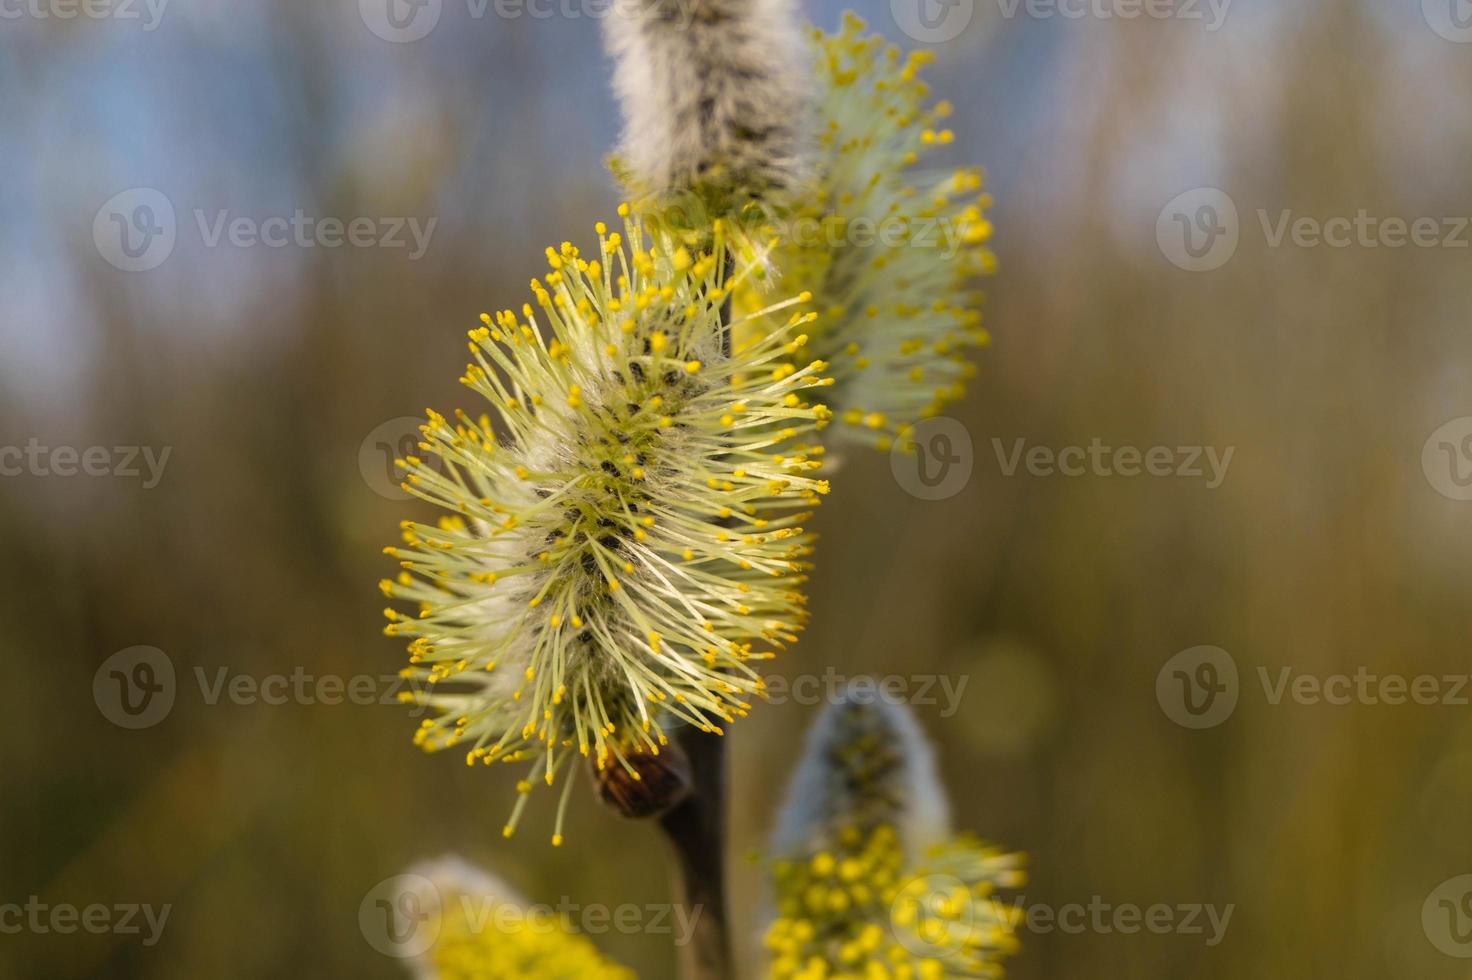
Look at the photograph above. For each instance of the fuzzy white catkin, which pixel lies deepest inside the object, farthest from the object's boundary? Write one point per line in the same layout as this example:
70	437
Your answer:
711	87
823	795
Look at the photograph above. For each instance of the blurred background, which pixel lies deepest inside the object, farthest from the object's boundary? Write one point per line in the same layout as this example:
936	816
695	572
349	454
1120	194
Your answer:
278	379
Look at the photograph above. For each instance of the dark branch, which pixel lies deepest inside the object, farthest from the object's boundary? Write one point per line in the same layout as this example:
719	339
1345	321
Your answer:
696	828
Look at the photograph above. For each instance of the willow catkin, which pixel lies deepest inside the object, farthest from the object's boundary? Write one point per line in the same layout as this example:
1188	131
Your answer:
714	92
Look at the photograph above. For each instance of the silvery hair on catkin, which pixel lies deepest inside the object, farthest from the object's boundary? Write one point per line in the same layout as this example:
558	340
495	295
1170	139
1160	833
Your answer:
866	762
712	91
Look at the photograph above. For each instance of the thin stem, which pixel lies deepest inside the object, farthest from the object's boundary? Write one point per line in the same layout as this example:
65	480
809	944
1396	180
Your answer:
696	828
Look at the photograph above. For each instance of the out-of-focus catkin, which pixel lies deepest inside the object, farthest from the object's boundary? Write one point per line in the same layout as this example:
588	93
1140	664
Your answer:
716	96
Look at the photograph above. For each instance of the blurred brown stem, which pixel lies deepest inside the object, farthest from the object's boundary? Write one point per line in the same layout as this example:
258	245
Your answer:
696	827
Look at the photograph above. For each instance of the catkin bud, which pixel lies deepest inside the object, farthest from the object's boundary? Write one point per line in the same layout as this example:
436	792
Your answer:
714	92
866	879
866	763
